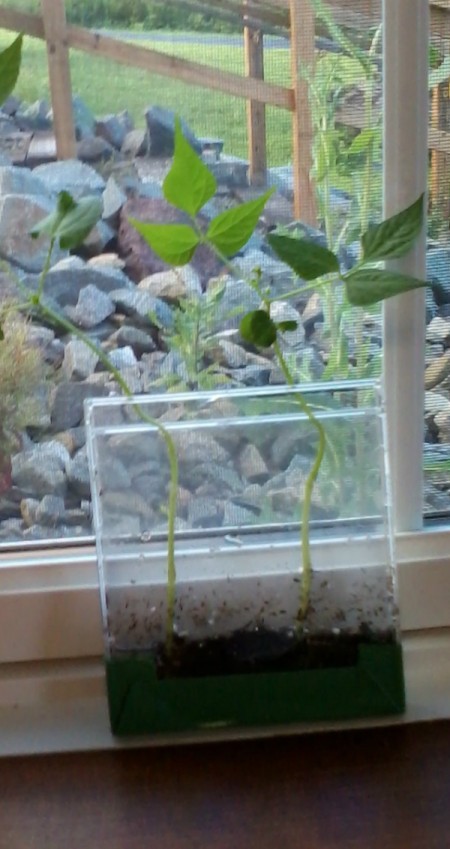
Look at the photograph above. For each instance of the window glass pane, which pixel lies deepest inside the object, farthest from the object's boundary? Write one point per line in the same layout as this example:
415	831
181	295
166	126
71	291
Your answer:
437	359
164	330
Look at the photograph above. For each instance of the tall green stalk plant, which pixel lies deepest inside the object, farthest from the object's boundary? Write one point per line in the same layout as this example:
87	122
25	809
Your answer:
189	185
67	227
333	75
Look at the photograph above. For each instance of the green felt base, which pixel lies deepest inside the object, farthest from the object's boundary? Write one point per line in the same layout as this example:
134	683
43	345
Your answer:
139	703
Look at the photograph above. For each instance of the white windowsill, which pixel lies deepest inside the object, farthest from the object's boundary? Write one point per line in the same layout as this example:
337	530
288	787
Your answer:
52	684
48	707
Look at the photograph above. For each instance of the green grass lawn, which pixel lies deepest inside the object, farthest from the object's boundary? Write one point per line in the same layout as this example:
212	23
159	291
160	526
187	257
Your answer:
108	87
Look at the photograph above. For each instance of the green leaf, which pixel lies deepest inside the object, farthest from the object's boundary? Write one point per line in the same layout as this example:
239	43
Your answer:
366	286
307	259
65	203
174	243
78	222
441	74
10	60
71	221
364	140
284	326
325	154
189	183
325	14
258	328
337	71
338	365
230	230
349	71
216	292
395	236
47	226
2	335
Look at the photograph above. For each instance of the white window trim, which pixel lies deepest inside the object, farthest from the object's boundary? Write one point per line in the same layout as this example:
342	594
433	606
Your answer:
62	706
406	34
52	692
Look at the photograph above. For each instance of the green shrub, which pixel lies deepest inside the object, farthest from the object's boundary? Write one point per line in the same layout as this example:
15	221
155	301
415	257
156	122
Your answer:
21	371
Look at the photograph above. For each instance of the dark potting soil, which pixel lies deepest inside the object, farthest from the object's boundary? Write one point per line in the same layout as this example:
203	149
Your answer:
263	651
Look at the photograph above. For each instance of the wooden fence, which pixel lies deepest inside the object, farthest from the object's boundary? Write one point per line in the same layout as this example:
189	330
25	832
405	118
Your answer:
292	17
60	38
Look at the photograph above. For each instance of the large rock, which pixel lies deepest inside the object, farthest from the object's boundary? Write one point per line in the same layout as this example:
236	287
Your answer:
227	354
135	143
67	403
173	284
78	474
161	129
7	126
20	181
112	129
50	510
133	337
282	178
289	339
140	259
11	105
41	470
122	358
84	119
113	201
34	117
79	360
72	176
230	171
274	273
438	330
18	215
95	149
237	299
43	338
15	146
68	278
42	149
143	307
101	237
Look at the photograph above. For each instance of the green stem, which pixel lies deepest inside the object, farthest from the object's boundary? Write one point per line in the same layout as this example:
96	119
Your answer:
45	270
328	226
323	282
67	325
195	358
305	505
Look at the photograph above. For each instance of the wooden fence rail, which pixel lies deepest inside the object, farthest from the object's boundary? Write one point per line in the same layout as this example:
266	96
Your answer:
296	16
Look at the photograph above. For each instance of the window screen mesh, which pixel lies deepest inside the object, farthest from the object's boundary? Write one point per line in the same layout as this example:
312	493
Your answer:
182	331
437	356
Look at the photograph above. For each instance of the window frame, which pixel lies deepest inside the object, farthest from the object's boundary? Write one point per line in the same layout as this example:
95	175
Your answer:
49	599
406	34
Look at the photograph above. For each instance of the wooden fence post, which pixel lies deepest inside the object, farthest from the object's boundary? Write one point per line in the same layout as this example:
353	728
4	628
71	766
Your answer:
256	112
302	26
440	161
54	18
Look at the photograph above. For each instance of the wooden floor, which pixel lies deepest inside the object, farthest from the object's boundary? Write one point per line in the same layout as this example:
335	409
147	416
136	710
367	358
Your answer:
379	789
